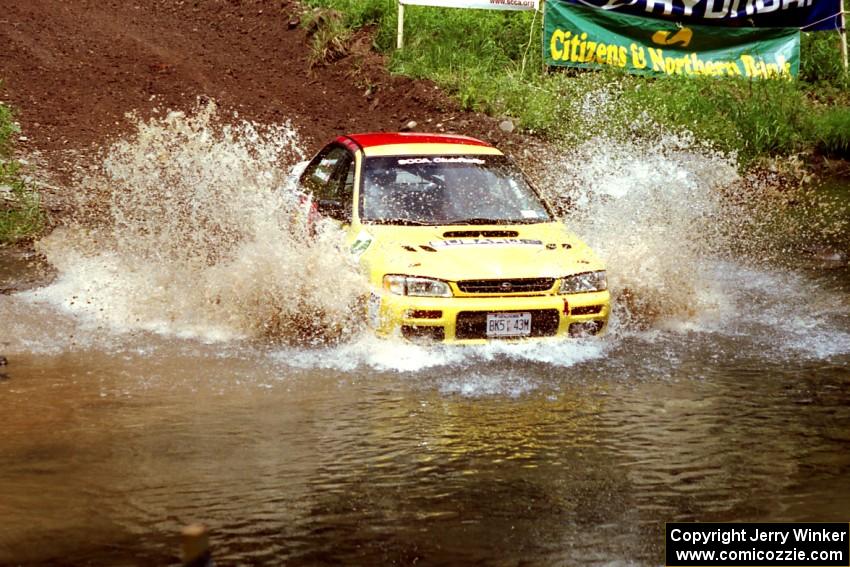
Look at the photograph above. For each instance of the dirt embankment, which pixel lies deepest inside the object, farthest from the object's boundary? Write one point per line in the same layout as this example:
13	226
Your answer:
74	69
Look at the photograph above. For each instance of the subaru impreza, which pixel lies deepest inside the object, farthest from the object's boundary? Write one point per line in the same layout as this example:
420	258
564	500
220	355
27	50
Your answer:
457	244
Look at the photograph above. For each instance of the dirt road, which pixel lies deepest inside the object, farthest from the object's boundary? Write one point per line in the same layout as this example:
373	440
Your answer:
74	69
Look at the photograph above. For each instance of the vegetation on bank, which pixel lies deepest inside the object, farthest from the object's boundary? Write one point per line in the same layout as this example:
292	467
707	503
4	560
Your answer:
492	62
21	216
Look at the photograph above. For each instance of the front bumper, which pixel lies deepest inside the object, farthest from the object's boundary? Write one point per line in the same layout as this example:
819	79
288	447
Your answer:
459	319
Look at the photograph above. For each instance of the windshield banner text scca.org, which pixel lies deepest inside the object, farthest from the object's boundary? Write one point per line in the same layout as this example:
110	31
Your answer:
593	39
810	15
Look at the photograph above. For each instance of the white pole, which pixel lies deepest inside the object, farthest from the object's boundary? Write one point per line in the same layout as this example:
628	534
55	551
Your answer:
842	30
542	36
400	35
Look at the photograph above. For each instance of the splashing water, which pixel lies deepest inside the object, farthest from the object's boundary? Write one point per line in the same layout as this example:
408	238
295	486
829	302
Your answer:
191	229
383	355
690	245
651	209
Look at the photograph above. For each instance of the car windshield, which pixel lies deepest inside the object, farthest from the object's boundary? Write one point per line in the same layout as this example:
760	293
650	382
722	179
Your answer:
441	190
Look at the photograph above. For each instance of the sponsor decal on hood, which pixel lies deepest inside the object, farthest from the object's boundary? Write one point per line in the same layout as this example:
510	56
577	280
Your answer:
361	243
452	242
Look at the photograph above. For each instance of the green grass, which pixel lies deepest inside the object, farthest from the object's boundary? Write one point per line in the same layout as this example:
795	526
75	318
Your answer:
21	216
831	131
329	36
491	62
7	129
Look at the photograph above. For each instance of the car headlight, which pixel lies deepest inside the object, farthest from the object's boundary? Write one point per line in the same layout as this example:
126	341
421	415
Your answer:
586	282
422	287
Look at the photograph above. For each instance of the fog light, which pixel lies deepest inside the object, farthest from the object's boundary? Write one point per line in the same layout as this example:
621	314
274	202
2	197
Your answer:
586	328
423	334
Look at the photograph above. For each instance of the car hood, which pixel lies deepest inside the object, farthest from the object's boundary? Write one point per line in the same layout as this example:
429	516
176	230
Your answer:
481	252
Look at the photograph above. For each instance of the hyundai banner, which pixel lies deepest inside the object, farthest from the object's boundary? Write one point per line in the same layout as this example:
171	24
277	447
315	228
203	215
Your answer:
809	15
590	38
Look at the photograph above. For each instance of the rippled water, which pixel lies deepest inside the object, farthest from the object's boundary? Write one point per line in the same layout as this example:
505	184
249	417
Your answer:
144	392
105	456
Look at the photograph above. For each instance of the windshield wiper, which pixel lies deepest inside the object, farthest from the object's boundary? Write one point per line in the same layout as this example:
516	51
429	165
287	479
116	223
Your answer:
475	220
402	222
481	220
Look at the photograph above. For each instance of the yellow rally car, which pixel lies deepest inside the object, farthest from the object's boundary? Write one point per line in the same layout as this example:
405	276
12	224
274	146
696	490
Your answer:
457	244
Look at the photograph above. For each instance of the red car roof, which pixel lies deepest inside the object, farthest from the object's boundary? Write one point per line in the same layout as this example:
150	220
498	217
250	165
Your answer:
373	139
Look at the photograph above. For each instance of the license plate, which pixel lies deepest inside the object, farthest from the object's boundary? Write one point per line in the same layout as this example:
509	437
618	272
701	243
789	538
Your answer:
508	324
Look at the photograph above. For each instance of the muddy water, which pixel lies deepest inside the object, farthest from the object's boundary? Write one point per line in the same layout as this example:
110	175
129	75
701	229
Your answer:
164	377
571	455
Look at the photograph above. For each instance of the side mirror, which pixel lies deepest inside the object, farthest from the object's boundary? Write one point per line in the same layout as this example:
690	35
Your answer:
332	209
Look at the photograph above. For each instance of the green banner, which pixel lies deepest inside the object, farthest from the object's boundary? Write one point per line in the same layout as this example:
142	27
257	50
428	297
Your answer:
593	38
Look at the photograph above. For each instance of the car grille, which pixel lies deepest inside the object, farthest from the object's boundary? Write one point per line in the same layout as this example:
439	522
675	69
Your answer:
522	285
473	324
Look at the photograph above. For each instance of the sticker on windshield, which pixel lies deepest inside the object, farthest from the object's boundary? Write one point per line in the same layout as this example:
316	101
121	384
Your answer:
453	159
528	214
485	242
